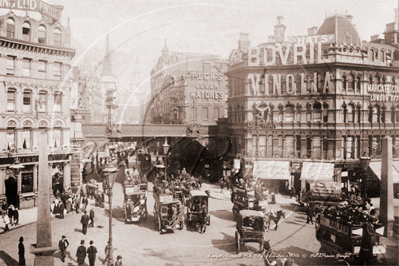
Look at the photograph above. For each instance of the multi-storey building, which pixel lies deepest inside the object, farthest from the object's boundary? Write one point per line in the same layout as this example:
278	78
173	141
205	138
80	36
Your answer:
188	88
35	58
323	96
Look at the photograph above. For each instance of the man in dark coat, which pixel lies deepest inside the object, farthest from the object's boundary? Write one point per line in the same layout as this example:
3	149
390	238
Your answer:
91	217
11	214
309	213
62	209
81	253
77	203
91	251
21	251
85	201
63	245
16	216
84	221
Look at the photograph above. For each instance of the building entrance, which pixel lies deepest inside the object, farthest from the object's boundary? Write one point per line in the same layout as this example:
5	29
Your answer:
11	185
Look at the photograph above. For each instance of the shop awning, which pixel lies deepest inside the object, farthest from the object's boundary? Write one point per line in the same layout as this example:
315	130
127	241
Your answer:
278	170
317	171
376	167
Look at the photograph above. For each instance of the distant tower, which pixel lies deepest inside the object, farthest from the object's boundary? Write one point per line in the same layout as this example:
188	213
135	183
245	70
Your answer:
107	81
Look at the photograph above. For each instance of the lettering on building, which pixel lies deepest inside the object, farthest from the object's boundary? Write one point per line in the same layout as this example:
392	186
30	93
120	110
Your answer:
383	92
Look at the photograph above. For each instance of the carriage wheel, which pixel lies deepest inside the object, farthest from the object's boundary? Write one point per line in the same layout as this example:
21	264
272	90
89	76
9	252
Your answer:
261	246
238	244
203	228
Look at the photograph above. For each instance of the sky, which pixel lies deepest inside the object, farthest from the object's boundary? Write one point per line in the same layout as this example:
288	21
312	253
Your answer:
140	28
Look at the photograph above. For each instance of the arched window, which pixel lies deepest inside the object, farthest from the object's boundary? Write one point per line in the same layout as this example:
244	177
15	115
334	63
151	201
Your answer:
11	94
382	55
317	112
57	102
358	84
289	113
10	28
376	80
42	104
349	113
382	115
27	103
351	86
309	84
375	114
27	135
372	58
57	37
26	31
42	34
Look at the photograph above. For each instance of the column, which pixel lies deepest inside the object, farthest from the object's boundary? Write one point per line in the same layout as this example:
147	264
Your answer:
19	100
3	139
387	198
34	70
311	145
35	178
388	116
67	174
322	148
2	180
304	145
338	147
19	183
20	138
35	136
50	175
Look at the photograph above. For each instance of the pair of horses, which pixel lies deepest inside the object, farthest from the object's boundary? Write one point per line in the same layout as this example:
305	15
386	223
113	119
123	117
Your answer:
275	217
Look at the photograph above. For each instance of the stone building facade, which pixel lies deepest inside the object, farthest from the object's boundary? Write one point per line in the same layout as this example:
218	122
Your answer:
35	59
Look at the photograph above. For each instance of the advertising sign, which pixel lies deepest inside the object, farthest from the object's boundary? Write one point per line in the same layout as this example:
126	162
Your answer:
272	170
317	171
237	164
33	5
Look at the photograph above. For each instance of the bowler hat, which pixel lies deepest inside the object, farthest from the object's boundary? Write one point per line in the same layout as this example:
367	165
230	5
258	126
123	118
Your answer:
82	242
118	257
91	242
63	236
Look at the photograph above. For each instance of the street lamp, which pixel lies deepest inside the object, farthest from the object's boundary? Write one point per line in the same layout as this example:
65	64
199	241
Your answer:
364	163
16	167
111	173
165	151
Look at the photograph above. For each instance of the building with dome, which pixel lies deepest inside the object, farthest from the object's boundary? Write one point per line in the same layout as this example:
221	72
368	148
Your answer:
324	97
35	95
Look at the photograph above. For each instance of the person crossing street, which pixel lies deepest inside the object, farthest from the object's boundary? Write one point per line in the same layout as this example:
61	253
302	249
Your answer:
85	222
63	245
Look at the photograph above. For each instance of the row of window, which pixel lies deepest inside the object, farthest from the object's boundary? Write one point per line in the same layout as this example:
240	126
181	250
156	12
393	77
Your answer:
42	68
41	104
55	142
205	113
27	33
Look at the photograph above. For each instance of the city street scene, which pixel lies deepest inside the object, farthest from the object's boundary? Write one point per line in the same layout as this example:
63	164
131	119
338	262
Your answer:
176	132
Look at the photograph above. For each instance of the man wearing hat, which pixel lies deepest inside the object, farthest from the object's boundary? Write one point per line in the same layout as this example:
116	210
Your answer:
118	261
81	253
63	245
84	220
91	251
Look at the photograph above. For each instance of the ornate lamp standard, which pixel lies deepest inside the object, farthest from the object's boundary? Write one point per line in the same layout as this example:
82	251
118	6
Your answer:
111	173
364	163
166	151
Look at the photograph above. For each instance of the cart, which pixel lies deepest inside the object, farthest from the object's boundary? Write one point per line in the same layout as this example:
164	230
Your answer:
243	199
197	210
135	202
168	213
250	228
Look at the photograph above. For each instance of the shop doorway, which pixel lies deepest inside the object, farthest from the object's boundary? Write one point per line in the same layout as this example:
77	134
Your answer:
11	185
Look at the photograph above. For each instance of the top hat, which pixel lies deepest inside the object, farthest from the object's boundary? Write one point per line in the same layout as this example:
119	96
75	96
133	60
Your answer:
82	242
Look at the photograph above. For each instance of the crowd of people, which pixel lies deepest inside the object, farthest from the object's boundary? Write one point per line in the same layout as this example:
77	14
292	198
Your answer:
10	216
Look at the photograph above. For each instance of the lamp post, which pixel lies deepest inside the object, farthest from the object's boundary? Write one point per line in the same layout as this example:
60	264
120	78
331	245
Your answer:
111	173
364	163
166	150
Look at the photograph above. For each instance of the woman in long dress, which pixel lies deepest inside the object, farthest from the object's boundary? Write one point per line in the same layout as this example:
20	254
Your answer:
69	205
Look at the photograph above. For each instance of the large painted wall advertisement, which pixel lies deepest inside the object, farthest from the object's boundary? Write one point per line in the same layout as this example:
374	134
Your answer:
207	89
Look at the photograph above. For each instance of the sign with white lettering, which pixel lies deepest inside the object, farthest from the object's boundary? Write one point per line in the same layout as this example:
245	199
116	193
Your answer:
272	170
317	171
327	38
383	92
33	5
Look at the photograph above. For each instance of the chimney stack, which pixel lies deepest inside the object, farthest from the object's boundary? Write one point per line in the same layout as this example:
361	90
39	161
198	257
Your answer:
279	30
244	43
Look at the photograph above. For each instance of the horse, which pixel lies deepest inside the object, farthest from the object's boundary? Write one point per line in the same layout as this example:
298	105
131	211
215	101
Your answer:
275	217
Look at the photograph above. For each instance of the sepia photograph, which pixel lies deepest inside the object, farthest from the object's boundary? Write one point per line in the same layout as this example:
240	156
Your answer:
187	132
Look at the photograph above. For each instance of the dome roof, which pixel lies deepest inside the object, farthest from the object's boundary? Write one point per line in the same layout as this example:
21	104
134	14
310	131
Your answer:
342	27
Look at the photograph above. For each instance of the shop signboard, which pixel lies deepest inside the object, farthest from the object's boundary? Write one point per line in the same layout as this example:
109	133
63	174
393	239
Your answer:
317	171
278	170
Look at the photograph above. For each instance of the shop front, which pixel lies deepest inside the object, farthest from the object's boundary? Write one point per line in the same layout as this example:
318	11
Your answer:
20	189
276	175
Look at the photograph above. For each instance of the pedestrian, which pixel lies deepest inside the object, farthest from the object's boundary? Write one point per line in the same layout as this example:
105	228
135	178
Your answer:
6	221
21	251
16	216
273	198
85	201
81	253
62	209
11	214
84	221
63	244
91	217
107	251
222	184
293	192
91	251
69	205
309	213
118	261
77	203
4	208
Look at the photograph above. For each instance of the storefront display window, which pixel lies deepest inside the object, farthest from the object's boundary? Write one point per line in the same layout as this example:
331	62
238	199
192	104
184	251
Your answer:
26	182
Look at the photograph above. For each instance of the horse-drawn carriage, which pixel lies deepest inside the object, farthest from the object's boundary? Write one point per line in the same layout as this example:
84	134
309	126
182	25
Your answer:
197	210
135	201
243	199
251	227
360	243
168	212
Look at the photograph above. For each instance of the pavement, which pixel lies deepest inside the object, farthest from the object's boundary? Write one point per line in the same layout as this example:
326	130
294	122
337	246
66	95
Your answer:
141	244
